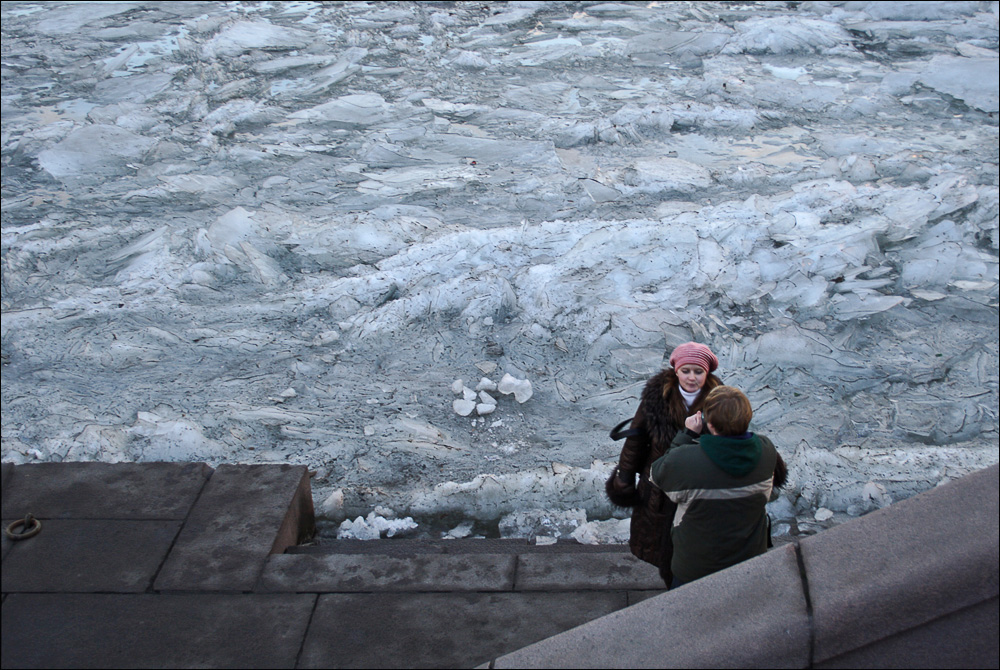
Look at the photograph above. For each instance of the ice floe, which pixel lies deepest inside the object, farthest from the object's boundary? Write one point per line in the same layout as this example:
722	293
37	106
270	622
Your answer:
280	232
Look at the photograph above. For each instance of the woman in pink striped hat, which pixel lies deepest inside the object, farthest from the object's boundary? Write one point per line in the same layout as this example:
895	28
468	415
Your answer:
667	400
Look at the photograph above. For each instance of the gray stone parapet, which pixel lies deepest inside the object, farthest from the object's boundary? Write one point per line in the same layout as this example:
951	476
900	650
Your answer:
180	565
912	585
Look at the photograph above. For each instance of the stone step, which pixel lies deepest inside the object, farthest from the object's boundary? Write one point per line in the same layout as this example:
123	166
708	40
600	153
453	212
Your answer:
480	566
407	547
451	603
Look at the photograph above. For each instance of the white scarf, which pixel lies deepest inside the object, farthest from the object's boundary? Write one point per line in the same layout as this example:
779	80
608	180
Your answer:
689	398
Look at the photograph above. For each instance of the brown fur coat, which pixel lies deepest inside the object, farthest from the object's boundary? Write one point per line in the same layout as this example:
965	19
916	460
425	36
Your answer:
660	416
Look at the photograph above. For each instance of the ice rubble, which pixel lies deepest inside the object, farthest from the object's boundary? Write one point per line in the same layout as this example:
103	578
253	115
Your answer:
305	221
374	526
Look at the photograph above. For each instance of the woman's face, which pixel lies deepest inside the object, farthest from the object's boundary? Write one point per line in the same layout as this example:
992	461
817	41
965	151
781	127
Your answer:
691	377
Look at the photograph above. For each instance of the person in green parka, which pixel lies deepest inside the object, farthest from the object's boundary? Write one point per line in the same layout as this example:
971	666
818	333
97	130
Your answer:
721	482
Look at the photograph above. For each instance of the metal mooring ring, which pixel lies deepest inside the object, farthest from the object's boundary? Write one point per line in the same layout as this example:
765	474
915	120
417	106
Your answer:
31	525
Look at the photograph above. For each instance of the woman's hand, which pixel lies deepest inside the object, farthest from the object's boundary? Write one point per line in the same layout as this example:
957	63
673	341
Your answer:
693	423
621	489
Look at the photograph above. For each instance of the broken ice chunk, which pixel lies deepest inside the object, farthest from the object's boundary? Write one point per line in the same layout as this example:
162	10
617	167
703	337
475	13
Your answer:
349	111
467	60
255	35
483	408
74	155
457	386
373	526
463	529
463	407
383	511
326	337
264	269
598	192
333	506
486	384
971	80
357	530
929	296
521	388
542	522
565	392
659	174
231	228
612	531
855	306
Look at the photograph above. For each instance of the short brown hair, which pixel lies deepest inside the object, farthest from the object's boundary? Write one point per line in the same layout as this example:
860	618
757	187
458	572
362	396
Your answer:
728	410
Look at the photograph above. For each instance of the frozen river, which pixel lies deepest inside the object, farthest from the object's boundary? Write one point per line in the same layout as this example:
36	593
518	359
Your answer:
281	232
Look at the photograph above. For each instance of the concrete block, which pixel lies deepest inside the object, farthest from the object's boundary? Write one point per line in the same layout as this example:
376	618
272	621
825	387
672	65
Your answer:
103	490
404	547
299	523
590	571
905	565
6	470
337	573
84	556
166	631
750	615
401	547
245	513
440	630
963	639
6	545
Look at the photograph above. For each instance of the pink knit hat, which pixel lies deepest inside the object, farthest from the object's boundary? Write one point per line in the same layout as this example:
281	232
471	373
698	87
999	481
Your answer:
693	353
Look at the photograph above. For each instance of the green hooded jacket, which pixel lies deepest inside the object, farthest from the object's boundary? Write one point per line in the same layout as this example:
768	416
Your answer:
721	486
